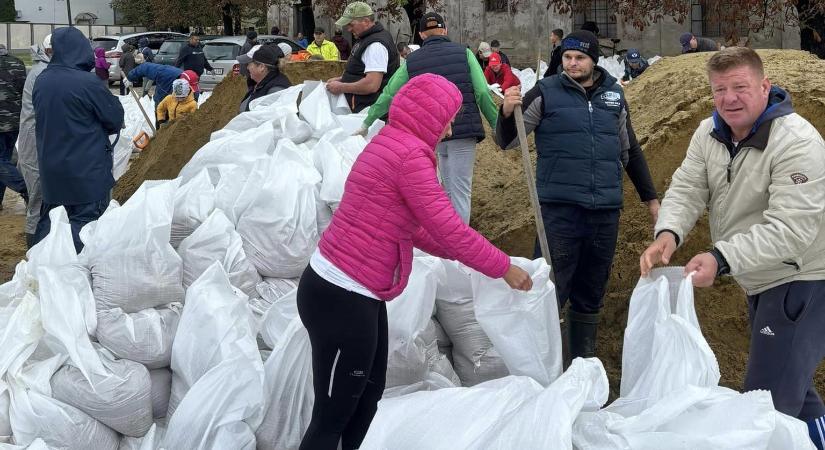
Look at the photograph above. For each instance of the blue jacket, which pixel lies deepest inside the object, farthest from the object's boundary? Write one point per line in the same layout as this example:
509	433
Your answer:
75	114
161	74
440	56
580	150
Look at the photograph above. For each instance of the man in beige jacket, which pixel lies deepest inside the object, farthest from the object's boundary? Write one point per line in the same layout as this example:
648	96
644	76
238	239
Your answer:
760	170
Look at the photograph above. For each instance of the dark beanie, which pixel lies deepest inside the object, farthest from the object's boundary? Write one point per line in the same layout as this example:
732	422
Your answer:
583	41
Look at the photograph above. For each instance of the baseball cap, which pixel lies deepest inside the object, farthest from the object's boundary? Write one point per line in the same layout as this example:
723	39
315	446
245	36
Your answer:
633	56
319	30
264	54
354	10
431	21
684	39
494	60
484	49
285	48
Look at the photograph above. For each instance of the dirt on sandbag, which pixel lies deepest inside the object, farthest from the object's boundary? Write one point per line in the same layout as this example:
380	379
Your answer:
298	72
174	144
667	103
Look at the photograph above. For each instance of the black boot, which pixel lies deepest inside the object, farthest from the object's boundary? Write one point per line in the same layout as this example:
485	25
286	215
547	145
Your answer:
582	334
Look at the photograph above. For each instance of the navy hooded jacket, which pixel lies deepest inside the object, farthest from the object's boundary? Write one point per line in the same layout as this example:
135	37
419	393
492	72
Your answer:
161	74
75	114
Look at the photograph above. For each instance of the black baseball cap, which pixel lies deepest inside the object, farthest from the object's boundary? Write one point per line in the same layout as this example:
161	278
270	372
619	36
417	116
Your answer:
264	54
431	21
319	30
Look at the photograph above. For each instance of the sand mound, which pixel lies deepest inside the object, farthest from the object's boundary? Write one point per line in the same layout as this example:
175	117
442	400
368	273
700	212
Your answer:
175	144
667	104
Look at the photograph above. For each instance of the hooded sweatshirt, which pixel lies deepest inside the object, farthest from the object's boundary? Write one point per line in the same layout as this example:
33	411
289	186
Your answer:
27	143
162	75
393	201
75	115
101	65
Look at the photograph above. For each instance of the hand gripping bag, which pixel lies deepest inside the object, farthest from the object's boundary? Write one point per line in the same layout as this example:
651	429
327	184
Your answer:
523	326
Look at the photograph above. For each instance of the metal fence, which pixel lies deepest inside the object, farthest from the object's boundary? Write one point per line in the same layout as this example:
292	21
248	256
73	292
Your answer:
20	36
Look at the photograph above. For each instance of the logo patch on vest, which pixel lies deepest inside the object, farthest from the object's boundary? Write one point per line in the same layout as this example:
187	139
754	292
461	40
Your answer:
612	99
799	178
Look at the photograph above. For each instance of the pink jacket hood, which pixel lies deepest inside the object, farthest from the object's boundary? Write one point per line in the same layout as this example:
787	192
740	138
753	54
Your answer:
393	201
424	106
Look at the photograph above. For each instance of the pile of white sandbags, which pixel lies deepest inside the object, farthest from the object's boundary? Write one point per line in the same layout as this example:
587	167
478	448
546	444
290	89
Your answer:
177	326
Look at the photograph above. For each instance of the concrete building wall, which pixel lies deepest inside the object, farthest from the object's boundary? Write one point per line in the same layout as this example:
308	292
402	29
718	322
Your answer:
54	11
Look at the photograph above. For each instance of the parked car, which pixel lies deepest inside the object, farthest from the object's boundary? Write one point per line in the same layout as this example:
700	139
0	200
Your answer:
222	54
169	50
114	46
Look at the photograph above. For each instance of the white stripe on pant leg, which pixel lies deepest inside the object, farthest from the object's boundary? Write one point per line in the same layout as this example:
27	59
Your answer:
332	373
819	426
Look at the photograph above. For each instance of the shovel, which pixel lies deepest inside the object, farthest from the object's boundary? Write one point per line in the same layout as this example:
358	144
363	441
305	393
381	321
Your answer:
137	100
531	186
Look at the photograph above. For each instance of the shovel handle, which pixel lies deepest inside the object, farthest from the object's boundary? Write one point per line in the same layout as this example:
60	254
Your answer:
137	100
531	186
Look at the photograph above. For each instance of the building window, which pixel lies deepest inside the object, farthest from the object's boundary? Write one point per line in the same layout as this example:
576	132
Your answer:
705	18
602	13
496	5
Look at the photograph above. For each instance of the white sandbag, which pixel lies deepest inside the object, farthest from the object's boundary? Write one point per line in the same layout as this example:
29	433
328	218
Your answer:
614	65
5	403
115	393
134	123
273	289
203	97
523	326
282	311
35	414
21	333
664	349
693	418
145	336
241	149
222	409
161	390
288	390
237	187
217	240
527	77
215	325
315	108
507	413
122	402
408	316
279	229
149	442
37	444
433	382
337	152
283	99
454	282
194	201
132	263
475	359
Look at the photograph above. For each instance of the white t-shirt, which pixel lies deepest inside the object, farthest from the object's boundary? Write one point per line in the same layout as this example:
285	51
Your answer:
375	58
326	270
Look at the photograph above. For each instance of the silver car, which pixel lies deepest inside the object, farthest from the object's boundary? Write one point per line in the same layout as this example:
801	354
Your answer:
113	45
222	54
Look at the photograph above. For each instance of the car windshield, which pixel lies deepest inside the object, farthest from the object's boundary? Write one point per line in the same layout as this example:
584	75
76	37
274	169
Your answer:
170	48
219	50
104	43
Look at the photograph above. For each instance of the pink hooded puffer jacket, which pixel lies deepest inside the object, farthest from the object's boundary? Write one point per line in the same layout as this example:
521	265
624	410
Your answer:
393	202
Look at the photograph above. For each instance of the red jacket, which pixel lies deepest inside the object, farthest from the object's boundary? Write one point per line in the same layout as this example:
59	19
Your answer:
393	202
505	77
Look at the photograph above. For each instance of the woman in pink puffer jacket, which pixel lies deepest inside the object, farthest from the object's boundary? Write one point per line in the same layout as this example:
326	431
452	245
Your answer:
392	202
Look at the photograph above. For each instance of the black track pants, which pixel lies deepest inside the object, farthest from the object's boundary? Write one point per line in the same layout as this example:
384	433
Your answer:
348	333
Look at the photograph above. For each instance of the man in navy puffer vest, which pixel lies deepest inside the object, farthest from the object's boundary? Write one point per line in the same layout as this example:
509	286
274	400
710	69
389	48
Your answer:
584	139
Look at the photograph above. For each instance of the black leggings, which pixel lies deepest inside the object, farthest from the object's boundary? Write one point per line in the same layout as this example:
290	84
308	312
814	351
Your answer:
348	333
